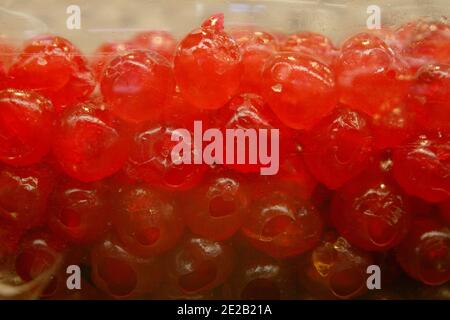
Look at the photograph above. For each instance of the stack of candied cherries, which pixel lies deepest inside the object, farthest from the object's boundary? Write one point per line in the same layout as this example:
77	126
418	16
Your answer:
87	178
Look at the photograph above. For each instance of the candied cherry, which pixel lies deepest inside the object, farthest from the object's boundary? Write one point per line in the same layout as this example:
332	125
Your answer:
260	277
215	209
256	46
299	89
104	54
422	166
158	41
40	252
280	223
244	112
371	212
79	211
147	221
150	160
429	97
425	253
55	68
121	275
137	85
24	193
423	42
199	265
311	44
370	76
336	269
26	123
90	143
208	65
339	147
445	211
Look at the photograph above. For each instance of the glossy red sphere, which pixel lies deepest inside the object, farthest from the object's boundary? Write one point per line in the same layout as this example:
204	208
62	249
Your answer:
339	147
422	166
299	89
371	212
137	85
55	68
147	221
216	209
90	143
26	127
24	194
199	265
281	224
150	160
425	253
208	67
370	76
40	251
336	269
104	54
121	275
429	97
423	42
79	211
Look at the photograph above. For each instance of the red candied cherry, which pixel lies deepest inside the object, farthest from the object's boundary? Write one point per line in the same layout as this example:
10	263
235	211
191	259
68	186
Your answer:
40	252
24	193
370	76
150	160
280	223
208	66
422	166
215	210
423	42
256	47
248	111
299	89
371	212
147	221
336	269
260	277
311	44
79	211
121	275
9	238
55	68
429	97
425	253
158	41
104	54
26	123
199	265
339	147
90	143
137	85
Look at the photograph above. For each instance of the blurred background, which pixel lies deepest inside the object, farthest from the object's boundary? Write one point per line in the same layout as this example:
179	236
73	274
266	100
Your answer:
103	20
